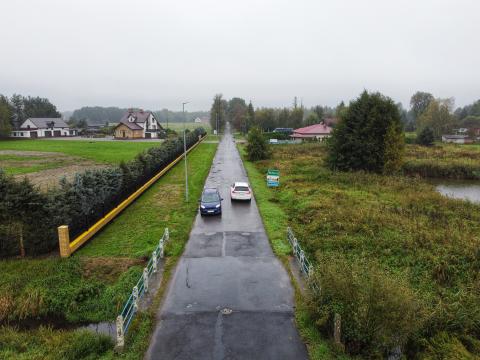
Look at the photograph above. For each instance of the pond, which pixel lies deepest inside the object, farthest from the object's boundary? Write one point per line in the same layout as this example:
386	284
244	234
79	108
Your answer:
465	190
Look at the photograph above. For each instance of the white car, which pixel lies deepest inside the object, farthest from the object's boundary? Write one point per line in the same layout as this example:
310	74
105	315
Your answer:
240	191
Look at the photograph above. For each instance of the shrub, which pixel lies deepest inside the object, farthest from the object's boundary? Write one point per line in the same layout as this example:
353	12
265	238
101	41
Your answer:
86	345
426	137
379	311
257	148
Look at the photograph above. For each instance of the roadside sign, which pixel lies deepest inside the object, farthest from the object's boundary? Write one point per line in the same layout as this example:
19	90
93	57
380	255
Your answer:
273	178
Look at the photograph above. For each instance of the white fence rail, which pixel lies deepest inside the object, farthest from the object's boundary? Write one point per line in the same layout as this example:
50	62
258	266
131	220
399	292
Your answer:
141	287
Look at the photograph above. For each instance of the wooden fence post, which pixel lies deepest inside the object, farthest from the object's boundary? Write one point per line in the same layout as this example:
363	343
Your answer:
337	330
64	241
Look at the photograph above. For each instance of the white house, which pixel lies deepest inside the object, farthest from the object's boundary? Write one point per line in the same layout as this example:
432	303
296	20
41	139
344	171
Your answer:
138	125
198	120
43	127
457	139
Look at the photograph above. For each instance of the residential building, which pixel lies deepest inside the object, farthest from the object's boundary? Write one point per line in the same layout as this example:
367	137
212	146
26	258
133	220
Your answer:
457	139
138	125
315	132
43	127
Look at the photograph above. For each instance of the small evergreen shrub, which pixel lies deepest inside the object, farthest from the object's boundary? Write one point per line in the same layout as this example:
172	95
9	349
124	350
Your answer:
258	147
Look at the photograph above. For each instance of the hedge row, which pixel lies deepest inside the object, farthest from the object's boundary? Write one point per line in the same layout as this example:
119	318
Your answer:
29	218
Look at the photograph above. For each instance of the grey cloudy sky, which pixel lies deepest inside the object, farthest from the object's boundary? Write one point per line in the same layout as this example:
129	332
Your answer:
154	54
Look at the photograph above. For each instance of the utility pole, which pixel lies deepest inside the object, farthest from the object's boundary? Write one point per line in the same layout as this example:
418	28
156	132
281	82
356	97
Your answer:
185	150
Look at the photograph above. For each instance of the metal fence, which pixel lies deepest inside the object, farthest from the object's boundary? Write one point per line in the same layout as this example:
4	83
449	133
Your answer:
141	287
305	265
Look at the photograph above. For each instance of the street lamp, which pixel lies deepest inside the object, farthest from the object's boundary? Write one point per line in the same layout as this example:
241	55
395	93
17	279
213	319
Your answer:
185	150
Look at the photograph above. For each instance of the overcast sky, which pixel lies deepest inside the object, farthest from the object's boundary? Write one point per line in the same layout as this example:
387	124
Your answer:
156	54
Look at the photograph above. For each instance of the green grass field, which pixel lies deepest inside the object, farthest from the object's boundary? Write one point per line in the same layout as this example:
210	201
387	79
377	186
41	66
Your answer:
420	248
189	125
92	285
109	152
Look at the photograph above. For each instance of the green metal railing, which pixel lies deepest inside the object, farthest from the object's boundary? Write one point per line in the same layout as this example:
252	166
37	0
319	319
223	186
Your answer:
305	265
141	287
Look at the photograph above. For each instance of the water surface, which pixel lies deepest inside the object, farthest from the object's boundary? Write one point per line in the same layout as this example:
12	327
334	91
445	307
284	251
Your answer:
464	190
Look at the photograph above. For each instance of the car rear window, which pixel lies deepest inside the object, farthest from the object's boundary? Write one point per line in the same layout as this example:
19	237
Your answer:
210	197
241	188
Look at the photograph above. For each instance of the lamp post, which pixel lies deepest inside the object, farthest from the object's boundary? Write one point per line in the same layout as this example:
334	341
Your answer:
185	150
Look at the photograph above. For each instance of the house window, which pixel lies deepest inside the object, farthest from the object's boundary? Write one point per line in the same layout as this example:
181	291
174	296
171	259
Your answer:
21	134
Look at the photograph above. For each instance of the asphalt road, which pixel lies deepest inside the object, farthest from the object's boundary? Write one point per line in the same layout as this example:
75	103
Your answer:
230	297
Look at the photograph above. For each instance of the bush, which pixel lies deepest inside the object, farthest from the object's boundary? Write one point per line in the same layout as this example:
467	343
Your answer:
29	215
257	148
426	137
379	311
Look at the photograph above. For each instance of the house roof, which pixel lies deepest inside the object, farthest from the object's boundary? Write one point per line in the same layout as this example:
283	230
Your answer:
312	130
455	136
130	125
139	116
43	123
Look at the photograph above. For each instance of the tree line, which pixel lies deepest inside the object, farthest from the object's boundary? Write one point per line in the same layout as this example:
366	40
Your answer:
16	109
29	218
243	116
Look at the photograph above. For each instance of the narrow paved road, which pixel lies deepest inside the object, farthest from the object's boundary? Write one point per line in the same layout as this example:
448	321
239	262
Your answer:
230	297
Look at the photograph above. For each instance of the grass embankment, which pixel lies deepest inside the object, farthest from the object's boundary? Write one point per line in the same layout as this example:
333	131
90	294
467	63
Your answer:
443	161
395	258
92	285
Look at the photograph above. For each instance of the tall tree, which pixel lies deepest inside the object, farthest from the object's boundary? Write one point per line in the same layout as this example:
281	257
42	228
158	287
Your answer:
296	117
312	119
39	107
250	117
5	117
236	110
319	111
284	118
18	114
368	137
437	116
218	112
419	102
265	119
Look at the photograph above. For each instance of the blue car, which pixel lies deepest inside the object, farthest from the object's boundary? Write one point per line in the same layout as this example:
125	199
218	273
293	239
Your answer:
211	202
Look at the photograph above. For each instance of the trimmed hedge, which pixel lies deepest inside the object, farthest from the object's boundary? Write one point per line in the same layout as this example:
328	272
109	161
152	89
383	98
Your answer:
31	217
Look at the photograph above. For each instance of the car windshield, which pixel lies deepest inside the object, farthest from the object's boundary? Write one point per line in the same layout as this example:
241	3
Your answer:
241	188
210	197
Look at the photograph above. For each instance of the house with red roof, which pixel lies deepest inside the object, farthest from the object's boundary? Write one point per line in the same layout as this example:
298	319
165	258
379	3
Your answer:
138	125
315	132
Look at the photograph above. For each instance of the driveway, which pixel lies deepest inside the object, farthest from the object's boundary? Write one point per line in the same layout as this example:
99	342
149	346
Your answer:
230	297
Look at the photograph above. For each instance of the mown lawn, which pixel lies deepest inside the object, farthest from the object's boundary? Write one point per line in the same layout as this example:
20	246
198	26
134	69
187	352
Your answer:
422	249
178	127
92	285
109	152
